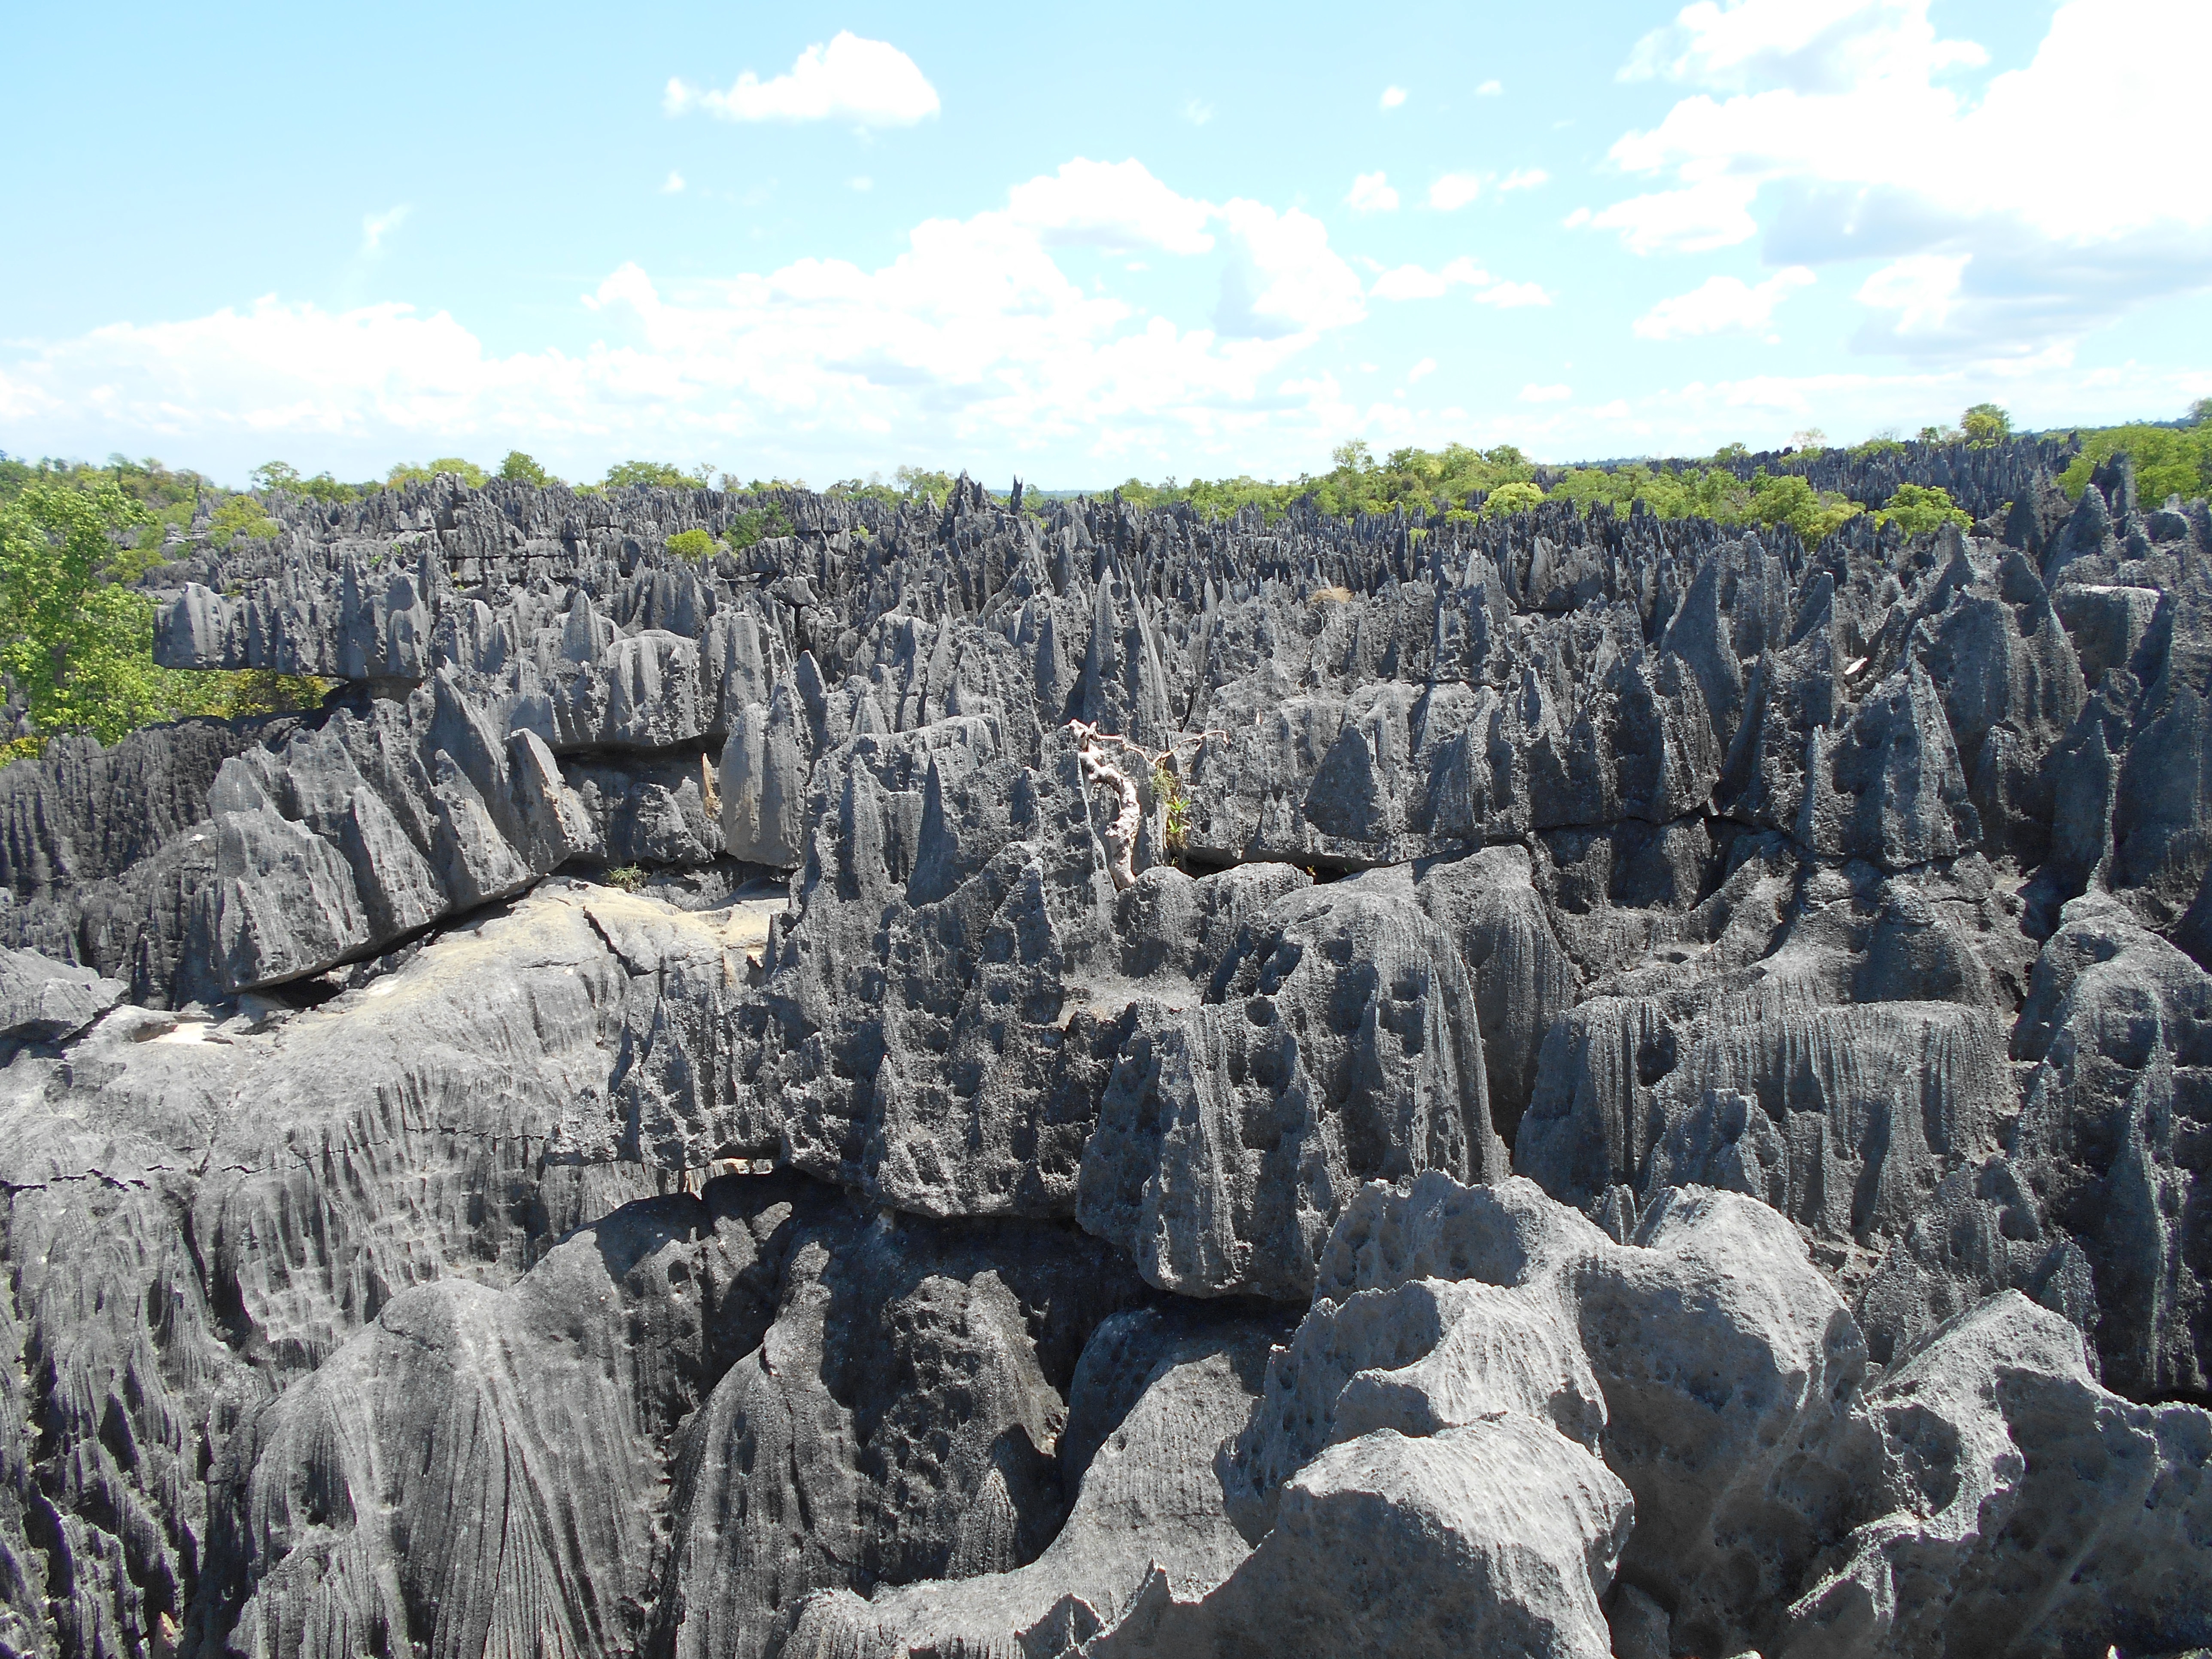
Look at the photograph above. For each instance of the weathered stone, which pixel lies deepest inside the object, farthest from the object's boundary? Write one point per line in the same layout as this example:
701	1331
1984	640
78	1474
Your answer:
1708	870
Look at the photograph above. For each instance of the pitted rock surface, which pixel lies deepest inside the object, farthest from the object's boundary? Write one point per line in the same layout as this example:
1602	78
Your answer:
1623	1086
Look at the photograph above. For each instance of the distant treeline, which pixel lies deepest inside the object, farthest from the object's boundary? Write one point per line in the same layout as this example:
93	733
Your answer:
76	629
908	483
1460	482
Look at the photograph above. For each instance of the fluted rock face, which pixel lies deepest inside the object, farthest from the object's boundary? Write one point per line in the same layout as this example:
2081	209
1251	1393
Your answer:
1563	1083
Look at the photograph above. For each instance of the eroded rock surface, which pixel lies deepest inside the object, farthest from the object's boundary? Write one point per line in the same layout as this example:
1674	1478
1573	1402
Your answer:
968	1080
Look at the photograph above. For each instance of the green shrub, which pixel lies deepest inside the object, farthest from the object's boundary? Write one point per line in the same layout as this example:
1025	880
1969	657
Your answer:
1787	499
2168	462
691	544
241	515
407	472
1985	424
1918	508
519	468
275	475
1168	790
625	474
625	877
1515	497
757	524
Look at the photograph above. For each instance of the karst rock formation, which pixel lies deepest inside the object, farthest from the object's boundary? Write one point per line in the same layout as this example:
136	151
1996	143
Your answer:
966	1081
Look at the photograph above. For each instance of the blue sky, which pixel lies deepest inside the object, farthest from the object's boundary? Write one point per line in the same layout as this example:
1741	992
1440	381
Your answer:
1075	244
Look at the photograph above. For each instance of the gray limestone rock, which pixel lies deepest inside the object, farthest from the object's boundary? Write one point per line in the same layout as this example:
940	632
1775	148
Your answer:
1785	1492
1820	926
45	1001
1498	1536
1154	1398
1338	1044
2030	1511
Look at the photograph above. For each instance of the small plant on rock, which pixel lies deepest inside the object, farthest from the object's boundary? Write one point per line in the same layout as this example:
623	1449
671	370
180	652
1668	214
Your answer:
626	877
756	524
1168	790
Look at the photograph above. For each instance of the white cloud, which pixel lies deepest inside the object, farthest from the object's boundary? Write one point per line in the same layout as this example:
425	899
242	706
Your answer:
1490	90
1419	282
859	181
1114	205
1715	213
1510	296
1421	370
375	226
1845	130
1393	97
1805	46
1371	192
1533	393
1197	111
1454	191
972	337
673	184
1284	279
1921	289
1720	304
1525	178
870	83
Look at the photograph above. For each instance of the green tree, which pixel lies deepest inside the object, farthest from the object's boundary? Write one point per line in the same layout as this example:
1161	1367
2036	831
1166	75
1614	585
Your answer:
624	474
79	646
756	524
1515	497
275	475
1788	499
935	488
519	468
406	472
692	544
1985	424
2200	412
2168	462
1919	508
241	515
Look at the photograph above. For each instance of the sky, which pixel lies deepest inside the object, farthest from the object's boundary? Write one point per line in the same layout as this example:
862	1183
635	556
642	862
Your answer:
1082	243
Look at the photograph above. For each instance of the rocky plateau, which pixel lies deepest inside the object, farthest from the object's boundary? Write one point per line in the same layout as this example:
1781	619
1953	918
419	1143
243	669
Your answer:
973	1082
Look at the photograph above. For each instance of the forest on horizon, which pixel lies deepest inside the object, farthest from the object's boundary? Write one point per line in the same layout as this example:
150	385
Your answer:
77	540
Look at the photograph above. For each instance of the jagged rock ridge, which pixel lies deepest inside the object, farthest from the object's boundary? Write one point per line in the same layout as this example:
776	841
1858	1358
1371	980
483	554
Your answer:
1654	1104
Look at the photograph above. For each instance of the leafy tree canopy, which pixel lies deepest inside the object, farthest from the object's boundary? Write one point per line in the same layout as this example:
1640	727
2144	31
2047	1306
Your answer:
1985	424
241	515
625	474
79	648
757	524
1514	497
1918	508
279	475
2168	461
78	644
407	472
